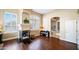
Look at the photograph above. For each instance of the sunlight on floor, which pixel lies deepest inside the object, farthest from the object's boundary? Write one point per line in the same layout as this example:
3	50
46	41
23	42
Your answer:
35	45
12	47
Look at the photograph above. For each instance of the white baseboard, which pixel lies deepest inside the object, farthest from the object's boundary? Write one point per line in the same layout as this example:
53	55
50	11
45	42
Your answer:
66	40
10	38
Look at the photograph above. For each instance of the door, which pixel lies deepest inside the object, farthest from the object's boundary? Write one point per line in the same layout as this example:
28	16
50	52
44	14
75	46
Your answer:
70	30
77	32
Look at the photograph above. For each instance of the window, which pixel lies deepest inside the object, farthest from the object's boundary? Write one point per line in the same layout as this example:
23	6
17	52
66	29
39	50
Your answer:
10	22
35	22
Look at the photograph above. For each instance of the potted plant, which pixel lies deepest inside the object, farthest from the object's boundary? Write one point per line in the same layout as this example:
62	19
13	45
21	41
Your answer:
26	20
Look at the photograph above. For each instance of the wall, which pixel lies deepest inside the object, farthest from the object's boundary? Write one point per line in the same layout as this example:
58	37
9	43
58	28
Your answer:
29	12
26	27
78	31
18	12
0	22
65	16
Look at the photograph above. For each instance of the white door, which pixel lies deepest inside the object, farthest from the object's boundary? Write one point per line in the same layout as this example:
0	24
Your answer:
78	32
70	30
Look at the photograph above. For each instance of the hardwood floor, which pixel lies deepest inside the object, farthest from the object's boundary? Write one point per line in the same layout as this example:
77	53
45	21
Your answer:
40	43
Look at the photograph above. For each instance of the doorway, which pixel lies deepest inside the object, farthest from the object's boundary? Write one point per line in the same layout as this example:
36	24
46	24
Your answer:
55	27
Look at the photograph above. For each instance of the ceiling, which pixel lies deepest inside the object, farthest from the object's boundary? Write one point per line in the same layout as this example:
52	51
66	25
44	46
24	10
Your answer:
43	11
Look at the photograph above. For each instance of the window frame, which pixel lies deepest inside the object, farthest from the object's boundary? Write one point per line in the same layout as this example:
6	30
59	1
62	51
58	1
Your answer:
9	31
34	18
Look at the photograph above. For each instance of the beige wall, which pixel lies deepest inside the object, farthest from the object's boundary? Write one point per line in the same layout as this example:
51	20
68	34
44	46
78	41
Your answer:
27	26
18	12
64	16
29	12
0	21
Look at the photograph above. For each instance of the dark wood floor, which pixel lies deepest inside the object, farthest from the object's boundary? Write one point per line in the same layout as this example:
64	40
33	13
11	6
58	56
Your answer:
40	43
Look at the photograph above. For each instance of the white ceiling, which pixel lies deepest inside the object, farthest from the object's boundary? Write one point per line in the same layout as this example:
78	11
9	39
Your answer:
43	11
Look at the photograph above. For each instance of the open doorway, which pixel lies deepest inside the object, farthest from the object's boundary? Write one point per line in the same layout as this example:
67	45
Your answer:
55	27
